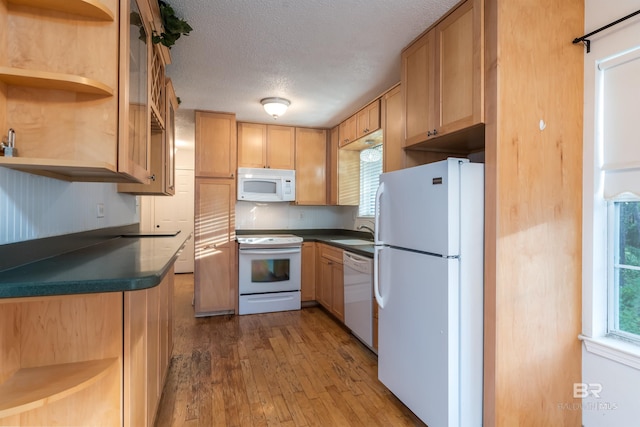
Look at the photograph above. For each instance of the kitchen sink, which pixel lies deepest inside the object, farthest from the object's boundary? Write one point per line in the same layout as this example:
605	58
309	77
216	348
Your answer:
353	242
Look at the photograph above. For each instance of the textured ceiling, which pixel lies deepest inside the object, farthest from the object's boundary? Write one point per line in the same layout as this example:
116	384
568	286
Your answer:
328	57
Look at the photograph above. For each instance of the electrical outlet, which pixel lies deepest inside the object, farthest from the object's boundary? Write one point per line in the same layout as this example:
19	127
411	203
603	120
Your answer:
301	215
100	210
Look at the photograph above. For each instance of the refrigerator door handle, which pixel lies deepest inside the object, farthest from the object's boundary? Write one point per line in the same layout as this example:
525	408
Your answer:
376	276
376	227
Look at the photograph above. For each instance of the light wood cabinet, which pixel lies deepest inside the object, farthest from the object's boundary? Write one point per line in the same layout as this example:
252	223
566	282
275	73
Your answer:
92	359
215	142
266	146
215	268
134	106
332	165
308	274
324	288
361	124
162	159
147	350
395	156
280	147
81	114
60	360
348	131
330	280
418	89
368	119
392	138
171	105
442	81
311	166
215	247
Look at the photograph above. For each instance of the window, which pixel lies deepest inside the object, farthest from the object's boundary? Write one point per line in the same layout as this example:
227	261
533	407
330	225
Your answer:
624	269
618	103
370	170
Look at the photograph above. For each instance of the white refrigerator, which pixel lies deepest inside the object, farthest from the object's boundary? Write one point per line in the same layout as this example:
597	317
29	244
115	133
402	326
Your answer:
428	282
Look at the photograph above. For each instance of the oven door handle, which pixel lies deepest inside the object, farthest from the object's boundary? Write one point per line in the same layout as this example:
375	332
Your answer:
270	251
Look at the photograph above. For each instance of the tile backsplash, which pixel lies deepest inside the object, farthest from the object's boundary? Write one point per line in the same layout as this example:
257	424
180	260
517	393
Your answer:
264	216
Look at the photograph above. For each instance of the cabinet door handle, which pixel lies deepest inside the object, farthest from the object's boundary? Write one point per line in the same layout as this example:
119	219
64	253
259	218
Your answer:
428	133
435	132
152	177
231	175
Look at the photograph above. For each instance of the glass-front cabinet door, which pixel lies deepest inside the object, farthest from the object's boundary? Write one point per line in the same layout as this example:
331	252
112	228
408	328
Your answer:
170	129
135	112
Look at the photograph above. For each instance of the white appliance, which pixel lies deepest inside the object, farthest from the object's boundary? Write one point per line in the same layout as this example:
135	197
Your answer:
358	296
269	269
266	185
428	282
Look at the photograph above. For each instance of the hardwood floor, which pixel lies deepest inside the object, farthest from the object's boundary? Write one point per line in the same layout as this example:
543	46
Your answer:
297	368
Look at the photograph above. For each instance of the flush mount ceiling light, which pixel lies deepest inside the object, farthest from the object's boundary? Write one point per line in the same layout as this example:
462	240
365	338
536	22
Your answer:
370	155
274	106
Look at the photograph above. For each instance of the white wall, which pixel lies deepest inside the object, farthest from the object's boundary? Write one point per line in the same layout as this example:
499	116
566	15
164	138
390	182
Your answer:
33	207
618	402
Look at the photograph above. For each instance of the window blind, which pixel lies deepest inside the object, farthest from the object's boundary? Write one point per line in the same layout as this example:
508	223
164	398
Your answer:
370	171
619	107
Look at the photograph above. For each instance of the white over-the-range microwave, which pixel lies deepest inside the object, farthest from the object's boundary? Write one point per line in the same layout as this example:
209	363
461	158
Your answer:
266	185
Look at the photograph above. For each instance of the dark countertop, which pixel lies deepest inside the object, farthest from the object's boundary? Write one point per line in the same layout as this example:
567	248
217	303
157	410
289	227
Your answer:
113	265
325	236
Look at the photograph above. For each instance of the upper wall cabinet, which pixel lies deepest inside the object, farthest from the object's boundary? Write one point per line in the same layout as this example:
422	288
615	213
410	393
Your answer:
311	166
368	119
266	146
162	159
80	113
361	124
348	130
443	84
215	144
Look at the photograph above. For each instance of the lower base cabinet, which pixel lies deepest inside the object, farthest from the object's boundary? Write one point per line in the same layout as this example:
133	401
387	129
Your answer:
330	280
308	274
147	326
64	360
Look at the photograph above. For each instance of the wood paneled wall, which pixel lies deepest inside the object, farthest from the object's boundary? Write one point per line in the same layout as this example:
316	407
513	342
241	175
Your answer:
533	212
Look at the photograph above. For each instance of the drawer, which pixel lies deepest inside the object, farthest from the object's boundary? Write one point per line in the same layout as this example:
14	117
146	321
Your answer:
331	253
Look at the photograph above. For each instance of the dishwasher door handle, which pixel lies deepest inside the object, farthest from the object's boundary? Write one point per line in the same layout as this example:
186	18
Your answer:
356	258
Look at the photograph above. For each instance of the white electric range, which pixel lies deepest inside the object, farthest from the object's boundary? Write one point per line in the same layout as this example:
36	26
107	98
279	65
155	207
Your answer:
269	269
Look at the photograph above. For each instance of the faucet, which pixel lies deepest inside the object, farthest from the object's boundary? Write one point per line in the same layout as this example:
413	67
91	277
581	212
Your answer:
373	234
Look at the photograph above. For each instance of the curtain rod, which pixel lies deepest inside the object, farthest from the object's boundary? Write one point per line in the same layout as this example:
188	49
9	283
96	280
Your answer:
588	42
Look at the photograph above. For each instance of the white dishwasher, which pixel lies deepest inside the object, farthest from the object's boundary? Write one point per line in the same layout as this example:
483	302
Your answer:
358	296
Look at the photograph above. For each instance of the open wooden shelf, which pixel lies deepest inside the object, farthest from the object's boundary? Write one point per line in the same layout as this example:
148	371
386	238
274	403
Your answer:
57	81
66	170
32	388
87	8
